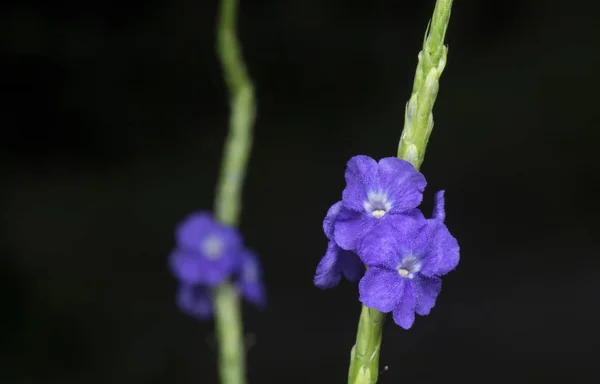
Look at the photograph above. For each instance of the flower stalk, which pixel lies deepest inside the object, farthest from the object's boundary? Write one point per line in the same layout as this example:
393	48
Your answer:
418	117
418	124
228	198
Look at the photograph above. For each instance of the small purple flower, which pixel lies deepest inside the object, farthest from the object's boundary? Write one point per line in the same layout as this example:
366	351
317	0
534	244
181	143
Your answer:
406	259
337	261
376	191
250	282
207	252
195	300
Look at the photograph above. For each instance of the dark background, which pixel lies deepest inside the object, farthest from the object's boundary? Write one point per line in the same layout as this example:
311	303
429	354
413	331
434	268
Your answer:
114	118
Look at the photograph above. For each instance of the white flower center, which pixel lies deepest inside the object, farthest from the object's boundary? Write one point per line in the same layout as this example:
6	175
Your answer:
377	204
404	273
212	247
409	267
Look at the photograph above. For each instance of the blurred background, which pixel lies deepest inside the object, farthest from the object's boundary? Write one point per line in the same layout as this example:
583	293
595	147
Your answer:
113	120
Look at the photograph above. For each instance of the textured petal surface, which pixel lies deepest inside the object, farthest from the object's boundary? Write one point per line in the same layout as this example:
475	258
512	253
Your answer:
361	174
194	301
350	227
386	244
381	289
404	312
438	207
351	266
330	218
426	290
438	248
328	271
403	184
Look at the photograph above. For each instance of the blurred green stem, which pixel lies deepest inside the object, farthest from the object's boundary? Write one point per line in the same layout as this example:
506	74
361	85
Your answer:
228	324
418	124
228	199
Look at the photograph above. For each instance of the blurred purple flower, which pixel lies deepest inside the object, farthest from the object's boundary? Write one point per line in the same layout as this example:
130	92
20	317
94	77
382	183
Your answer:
195	300
337	261
374	193
250	282
406	259
207	252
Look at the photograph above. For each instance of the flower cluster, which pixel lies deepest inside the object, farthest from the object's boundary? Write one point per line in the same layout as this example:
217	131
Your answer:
377	224
207	254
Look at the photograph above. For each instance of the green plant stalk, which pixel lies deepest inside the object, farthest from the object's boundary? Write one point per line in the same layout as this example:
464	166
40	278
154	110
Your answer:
418	115
364	357
418	124
228	318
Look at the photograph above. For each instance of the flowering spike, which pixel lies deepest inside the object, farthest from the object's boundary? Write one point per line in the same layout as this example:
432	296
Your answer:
418	118
417	271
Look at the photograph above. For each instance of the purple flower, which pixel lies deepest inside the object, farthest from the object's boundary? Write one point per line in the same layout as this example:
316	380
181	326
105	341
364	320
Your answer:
375	192
195	300
249	282
337	261
406	259
207	252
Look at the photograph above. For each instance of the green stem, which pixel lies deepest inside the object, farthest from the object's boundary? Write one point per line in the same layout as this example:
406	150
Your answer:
228	319
242	104
418	124
418	117
229	333
364	357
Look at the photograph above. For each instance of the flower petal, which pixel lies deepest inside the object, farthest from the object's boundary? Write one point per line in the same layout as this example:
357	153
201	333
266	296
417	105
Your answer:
214	273
251	270
186	266
402	182
426	291
381	289
438	207
361	173
404	312
191	268
254	293
438	248
388	243
194	301
330	219
192	228
351	266
196	227
250	279
328	271
350	227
